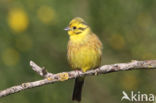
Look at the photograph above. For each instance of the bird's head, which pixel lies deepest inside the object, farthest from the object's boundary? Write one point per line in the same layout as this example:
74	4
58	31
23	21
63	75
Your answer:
77	26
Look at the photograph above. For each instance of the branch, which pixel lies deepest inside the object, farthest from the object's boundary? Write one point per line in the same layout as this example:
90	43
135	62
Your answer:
53	78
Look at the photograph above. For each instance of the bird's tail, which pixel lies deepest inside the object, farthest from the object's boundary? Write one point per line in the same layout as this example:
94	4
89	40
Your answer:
78	89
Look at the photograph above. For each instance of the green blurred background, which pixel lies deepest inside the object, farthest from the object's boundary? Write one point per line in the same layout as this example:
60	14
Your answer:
33	30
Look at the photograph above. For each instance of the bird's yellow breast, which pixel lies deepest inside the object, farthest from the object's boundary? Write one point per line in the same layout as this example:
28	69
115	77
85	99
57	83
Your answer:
84	52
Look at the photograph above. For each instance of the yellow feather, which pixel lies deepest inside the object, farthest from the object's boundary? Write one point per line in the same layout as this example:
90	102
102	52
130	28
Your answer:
84	47
84	51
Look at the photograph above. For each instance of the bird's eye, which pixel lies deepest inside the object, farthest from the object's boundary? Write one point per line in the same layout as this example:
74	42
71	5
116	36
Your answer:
74	27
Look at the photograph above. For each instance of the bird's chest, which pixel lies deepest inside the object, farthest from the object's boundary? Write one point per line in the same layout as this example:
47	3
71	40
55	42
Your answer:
82	55
82	52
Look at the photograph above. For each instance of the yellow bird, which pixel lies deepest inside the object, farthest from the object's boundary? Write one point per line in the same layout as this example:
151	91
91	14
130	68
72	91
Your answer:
84	51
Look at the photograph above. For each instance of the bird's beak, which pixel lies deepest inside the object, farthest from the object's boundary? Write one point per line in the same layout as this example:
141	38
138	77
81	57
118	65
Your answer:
67	28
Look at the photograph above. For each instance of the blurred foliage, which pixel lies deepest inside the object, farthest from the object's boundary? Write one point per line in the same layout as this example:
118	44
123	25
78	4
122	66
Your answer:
33	30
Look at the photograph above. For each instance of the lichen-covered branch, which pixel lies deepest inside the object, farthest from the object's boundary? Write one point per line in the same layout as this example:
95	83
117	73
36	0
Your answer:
53	78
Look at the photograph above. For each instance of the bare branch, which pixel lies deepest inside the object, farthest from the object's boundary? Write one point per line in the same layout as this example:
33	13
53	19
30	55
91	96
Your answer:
41	71
53	78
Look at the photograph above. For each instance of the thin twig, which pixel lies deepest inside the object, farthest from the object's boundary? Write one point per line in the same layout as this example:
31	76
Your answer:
53	78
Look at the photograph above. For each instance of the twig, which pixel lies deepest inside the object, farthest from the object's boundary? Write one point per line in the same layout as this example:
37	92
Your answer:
41	71
53	78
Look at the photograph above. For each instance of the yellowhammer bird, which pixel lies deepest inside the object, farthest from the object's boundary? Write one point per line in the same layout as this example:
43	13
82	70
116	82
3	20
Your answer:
84	51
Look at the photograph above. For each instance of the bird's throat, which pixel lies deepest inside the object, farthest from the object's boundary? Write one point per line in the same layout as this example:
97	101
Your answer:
80	38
